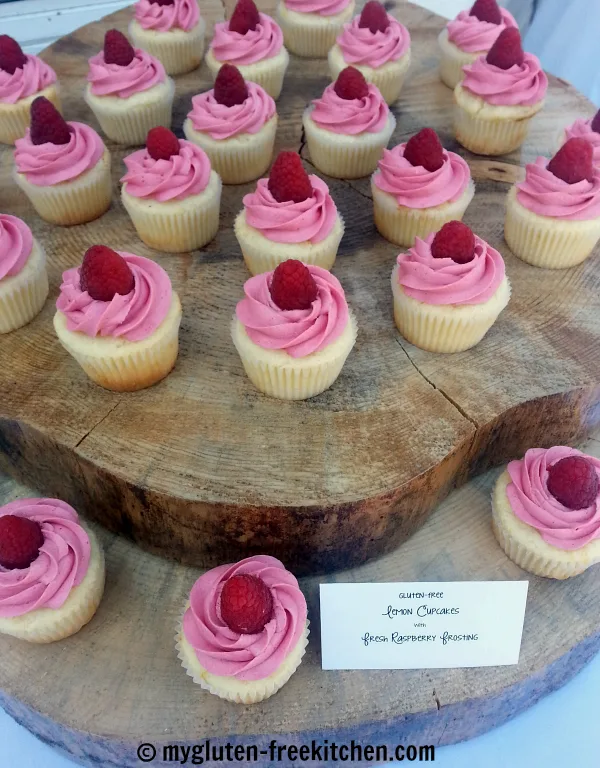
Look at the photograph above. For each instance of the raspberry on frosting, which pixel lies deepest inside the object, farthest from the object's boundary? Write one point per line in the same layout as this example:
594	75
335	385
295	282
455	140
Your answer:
351	84
288	181
573	162
292	286
474	35
161	143
246	604
507	51
350	116
32	75
20	541
117	49
573	481
262	42
521	85
11	55
425	149
360	45
486	10
230	87
374	17
47	125
454	241
111	78
221	121
245	17
104	274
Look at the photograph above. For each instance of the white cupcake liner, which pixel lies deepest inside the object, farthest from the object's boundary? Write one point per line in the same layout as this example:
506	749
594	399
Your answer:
264	255
15	118
310	34
453	60
238	159
345	157
401	225
177	226
22	296
178	51
268	73
275	373
548	242
76	201
48	625
389	78
121	365
127	121
445	328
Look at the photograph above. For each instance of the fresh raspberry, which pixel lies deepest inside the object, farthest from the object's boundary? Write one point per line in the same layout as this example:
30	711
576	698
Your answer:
596	122
573	162
292	286
246	604
230	87
163	2
47	124
351	84
487	10
574	482
20	541
288	181
374	16
245	17
507	50
425	148
11	55
454	241
104	273
161	143
117	48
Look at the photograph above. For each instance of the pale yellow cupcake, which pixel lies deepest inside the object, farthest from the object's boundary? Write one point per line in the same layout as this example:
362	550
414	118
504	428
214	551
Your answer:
129	345
56	589
23	275
310	27
548	535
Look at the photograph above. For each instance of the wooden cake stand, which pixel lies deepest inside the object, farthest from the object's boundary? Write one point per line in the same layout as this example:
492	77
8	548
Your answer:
205	470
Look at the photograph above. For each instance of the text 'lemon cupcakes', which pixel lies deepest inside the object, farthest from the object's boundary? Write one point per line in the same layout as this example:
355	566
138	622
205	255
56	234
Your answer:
51	571
311	26
378	45
449	290
119	318
245	629
290	215
546	512
293	330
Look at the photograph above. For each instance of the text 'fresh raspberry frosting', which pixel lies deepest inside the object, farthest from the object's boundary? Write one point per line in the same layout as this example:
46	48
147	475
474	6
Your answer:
545	194
142	73
264	42
226	653
16	242
322	7
222	122
472	35
361	46
33	77
350	116
522	85
183	14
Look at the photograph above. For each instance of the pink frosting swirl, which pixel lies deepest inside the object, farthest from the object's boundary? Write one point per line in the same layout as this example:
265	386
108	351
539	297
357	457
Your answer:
309	221
16	242
472	35
133	317
533	504
61	565
222	122
142	73
415	186
322	7
183	14
523	85
226	653
350	116
361	46
33	77
181	176
582	129
264	42
48	164
299	332
545	194
443	281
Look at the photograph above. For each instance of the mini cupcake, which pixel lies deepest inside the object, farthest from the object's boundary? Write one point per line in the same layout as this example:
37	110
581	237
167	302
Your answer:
553	217
245	629
293	331
51	571
311	26
171	193
22	78
498	96
418	187
172	31
348	128
585	129
449	290
128	90
546	512
376	44
119	318
290	215
63	168
23	276
235	124
254	43
470	35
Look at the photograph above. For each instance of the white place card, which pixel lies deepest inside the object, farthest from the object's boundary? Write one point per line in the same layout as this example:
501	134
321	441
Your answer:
422	625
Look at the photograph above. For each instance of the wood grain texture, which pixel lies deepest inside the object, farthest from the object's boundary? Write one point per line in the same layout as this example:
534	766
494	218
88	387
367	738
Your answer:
202	468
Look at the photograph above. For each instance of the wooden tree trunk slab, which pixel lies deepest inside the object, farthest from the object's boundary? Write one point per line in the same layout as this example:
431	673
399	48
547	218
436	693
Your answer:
204	469
118	683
